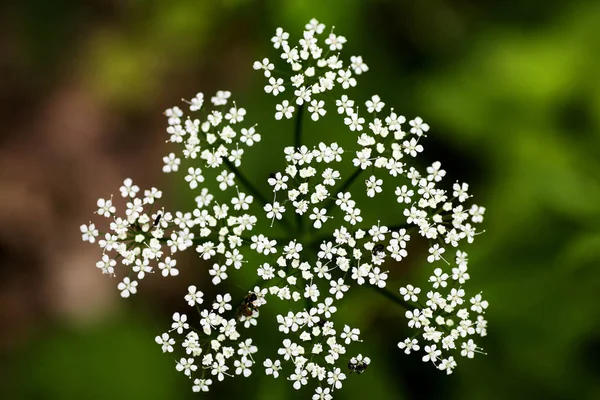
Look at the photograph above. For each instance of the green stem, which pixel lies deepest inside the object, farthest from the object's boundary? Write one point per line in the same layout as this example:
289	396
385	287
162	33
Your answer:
345	186
251	188
298	128
297	144
391	296
245	181
394	228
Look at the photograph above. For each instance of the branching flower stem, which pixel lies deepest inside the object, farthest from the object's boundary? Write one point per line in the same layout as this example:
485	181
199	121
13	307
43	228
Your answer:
255	192
393	297
345	186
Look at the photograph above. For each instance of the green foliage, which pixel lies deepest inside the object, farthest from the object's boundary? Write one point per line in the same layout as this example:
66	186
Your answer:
113	360
519	104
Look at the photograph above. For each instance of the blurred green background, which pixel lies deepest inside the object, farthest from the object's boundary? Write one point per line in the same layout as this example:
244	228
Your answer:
511	90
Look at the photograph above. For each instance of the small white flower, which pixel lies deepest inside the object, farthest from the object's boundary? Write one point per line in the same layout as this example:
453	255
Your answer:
186	365
197	102
278	181
127	287
272	368
460	191
354	122
319	216
106	265
225	179
220	99
358	66
274	211
477	213
166	342
478	304
275	86
418	126
431	353
412	147
468	349
265	65
373	186
221	303
89	233
284	110
435	253
105	207
194	177
129	189
194	296
335	378
303	95
171	163
404	194
409	345
335	42
375	105
316	109
315	26
410	293
280	38
249	136
168	267
201	385
179	323
346	79
344	105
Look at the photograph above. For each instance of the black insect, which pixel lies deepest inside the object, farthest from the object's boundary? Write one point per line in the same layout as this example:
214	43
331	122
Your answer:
378	249
351	366
157	219
361	367
247	307
358	367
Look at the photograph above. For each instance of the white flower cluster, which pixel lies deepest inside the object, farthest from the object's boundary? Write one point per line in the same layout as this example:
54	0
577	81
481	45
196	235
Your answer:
329	247
140	239
316	72
386	147
221	349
